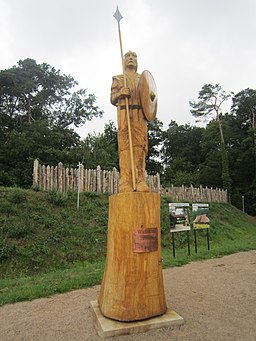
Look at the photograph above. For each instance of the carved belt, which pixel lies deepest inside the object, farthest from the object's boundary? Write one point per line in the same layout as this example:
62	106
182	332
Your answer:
136	106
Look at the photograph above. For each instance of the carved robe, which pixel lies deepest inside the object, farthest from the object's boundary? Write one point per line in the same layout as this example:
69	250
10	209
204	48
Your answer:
139	133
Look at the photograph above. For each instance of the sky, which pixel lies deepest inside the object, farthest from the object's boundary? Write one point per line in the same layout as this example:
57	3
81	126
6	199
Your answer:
183	43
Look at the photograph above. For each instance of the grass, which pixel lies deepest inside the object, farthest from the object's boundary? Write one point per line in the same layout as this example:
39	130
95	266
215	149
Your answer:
80	275
47	246
46	232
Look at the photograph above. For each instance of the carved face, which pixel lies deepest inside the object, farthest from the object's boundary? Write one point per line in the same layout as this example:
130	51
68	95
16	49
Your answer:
130	60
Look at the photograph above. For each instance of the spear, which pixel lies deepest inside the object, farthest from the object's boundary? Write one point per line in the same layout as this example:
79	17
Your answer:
118	17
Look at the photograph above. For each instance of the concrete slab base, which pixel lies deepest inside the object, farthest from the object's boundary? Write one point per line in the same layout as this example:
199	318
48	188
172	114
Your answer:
108	328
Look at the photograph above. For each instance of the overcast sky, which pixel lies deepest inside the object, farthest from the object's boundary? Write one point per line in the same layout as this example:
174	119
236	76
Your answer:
183	43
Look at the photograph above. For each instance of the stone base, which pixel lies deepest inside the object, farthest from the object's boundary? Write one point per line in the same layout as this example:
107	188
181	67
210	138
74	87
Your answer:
108	328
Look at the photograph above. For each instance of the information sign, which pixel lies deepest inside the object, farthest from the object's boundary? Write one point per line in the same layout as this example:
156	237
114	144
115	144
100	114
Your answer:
200	214
179	217
179	221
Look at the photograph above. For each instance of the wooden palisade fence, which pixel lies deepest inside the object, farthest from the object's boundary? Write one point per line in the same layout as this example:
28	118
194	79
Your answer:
63	179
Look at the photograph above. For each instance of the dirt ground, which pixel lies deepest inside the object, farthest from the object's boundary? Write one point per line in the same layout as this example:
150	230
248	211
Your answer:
216	298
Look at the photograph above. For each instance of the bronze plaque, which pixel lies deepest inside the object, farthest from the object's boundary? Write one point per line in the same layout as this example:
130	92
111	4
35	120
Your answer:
145	240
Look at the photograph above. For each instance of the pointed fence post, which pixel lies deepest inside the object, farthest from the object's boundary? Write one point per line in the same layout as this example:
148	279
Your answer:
35	173
98	178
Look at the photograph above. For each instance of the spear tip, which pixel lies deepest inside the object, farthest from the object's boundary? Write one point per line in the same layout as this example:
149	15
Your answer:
117	14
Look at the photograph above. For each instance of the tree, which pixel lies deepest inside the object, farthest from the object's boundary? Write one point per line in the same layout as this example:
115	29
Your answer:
31	91
37	107
210	168
244	108
36	141
211	98
181	150
110	132
155	140
243	125
97	150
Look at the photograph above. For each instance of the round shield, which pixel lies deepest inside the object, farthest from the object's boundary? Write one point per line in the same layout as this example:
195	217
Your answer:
148	95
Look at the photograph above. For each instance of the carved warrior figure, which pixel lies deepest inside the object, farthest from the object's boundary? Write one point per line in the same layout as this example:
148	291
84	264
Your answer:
138	123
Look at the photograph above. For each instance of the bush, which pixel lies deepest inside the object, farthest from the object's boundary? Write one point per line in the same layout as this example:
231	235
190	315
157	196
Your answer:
18	231
57	198
5	251
17	196
91	194
7	208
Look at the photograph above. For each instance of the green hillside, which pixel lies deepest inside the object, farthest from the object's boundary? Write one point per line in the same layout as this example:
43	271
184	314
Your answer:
48	246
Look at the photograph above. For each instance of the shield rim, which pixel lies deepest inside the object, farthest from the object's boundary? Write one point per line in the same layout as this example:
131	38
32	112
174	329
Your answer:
147	115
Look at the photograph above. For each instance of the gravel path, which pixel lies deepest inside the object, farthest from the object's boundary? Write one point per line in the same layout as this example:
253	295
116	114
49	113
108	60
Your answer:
216	298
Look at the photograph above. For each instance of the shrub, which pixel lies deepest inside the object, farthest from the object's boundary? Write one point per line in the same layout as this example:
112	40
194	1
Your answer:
18	231
91	194
57	198
7	208
5	251
17	196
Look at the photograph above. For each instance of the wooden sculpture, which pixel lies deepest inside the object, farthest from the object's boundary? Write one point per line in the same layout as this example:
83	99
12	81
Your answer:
138	124
132	287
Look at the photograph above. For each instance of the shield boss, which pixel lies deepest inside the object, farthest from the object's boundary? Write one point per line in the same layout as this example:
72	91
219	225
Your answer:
148	95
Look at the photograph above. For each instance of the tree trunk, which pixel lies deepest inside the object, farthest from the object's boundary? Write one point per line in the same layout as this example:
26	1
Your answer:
132	286
226	180
29	108
221	130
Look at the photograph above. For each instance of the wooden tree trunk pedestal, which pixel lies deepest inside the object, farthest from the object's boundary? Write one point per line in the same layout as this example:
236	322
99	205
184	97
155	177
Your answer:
132	287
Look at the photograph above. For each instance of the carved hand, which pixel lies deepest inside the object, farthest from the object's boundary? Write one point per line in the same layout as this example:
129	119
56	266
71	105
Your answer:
124	92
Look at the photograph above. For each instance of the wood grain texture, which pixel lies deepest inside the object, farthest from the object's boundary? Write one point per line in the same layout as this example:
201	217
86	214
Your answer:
132	287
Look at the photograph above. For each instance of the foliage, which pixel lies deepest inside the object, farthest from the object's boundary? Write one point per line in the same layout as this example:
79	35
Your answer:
210	168
110	133
244	108
96	150
18	231
57	198
181	151
5	251
31	92
37	107
155	139
17	196
36	141
243	147
210	99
